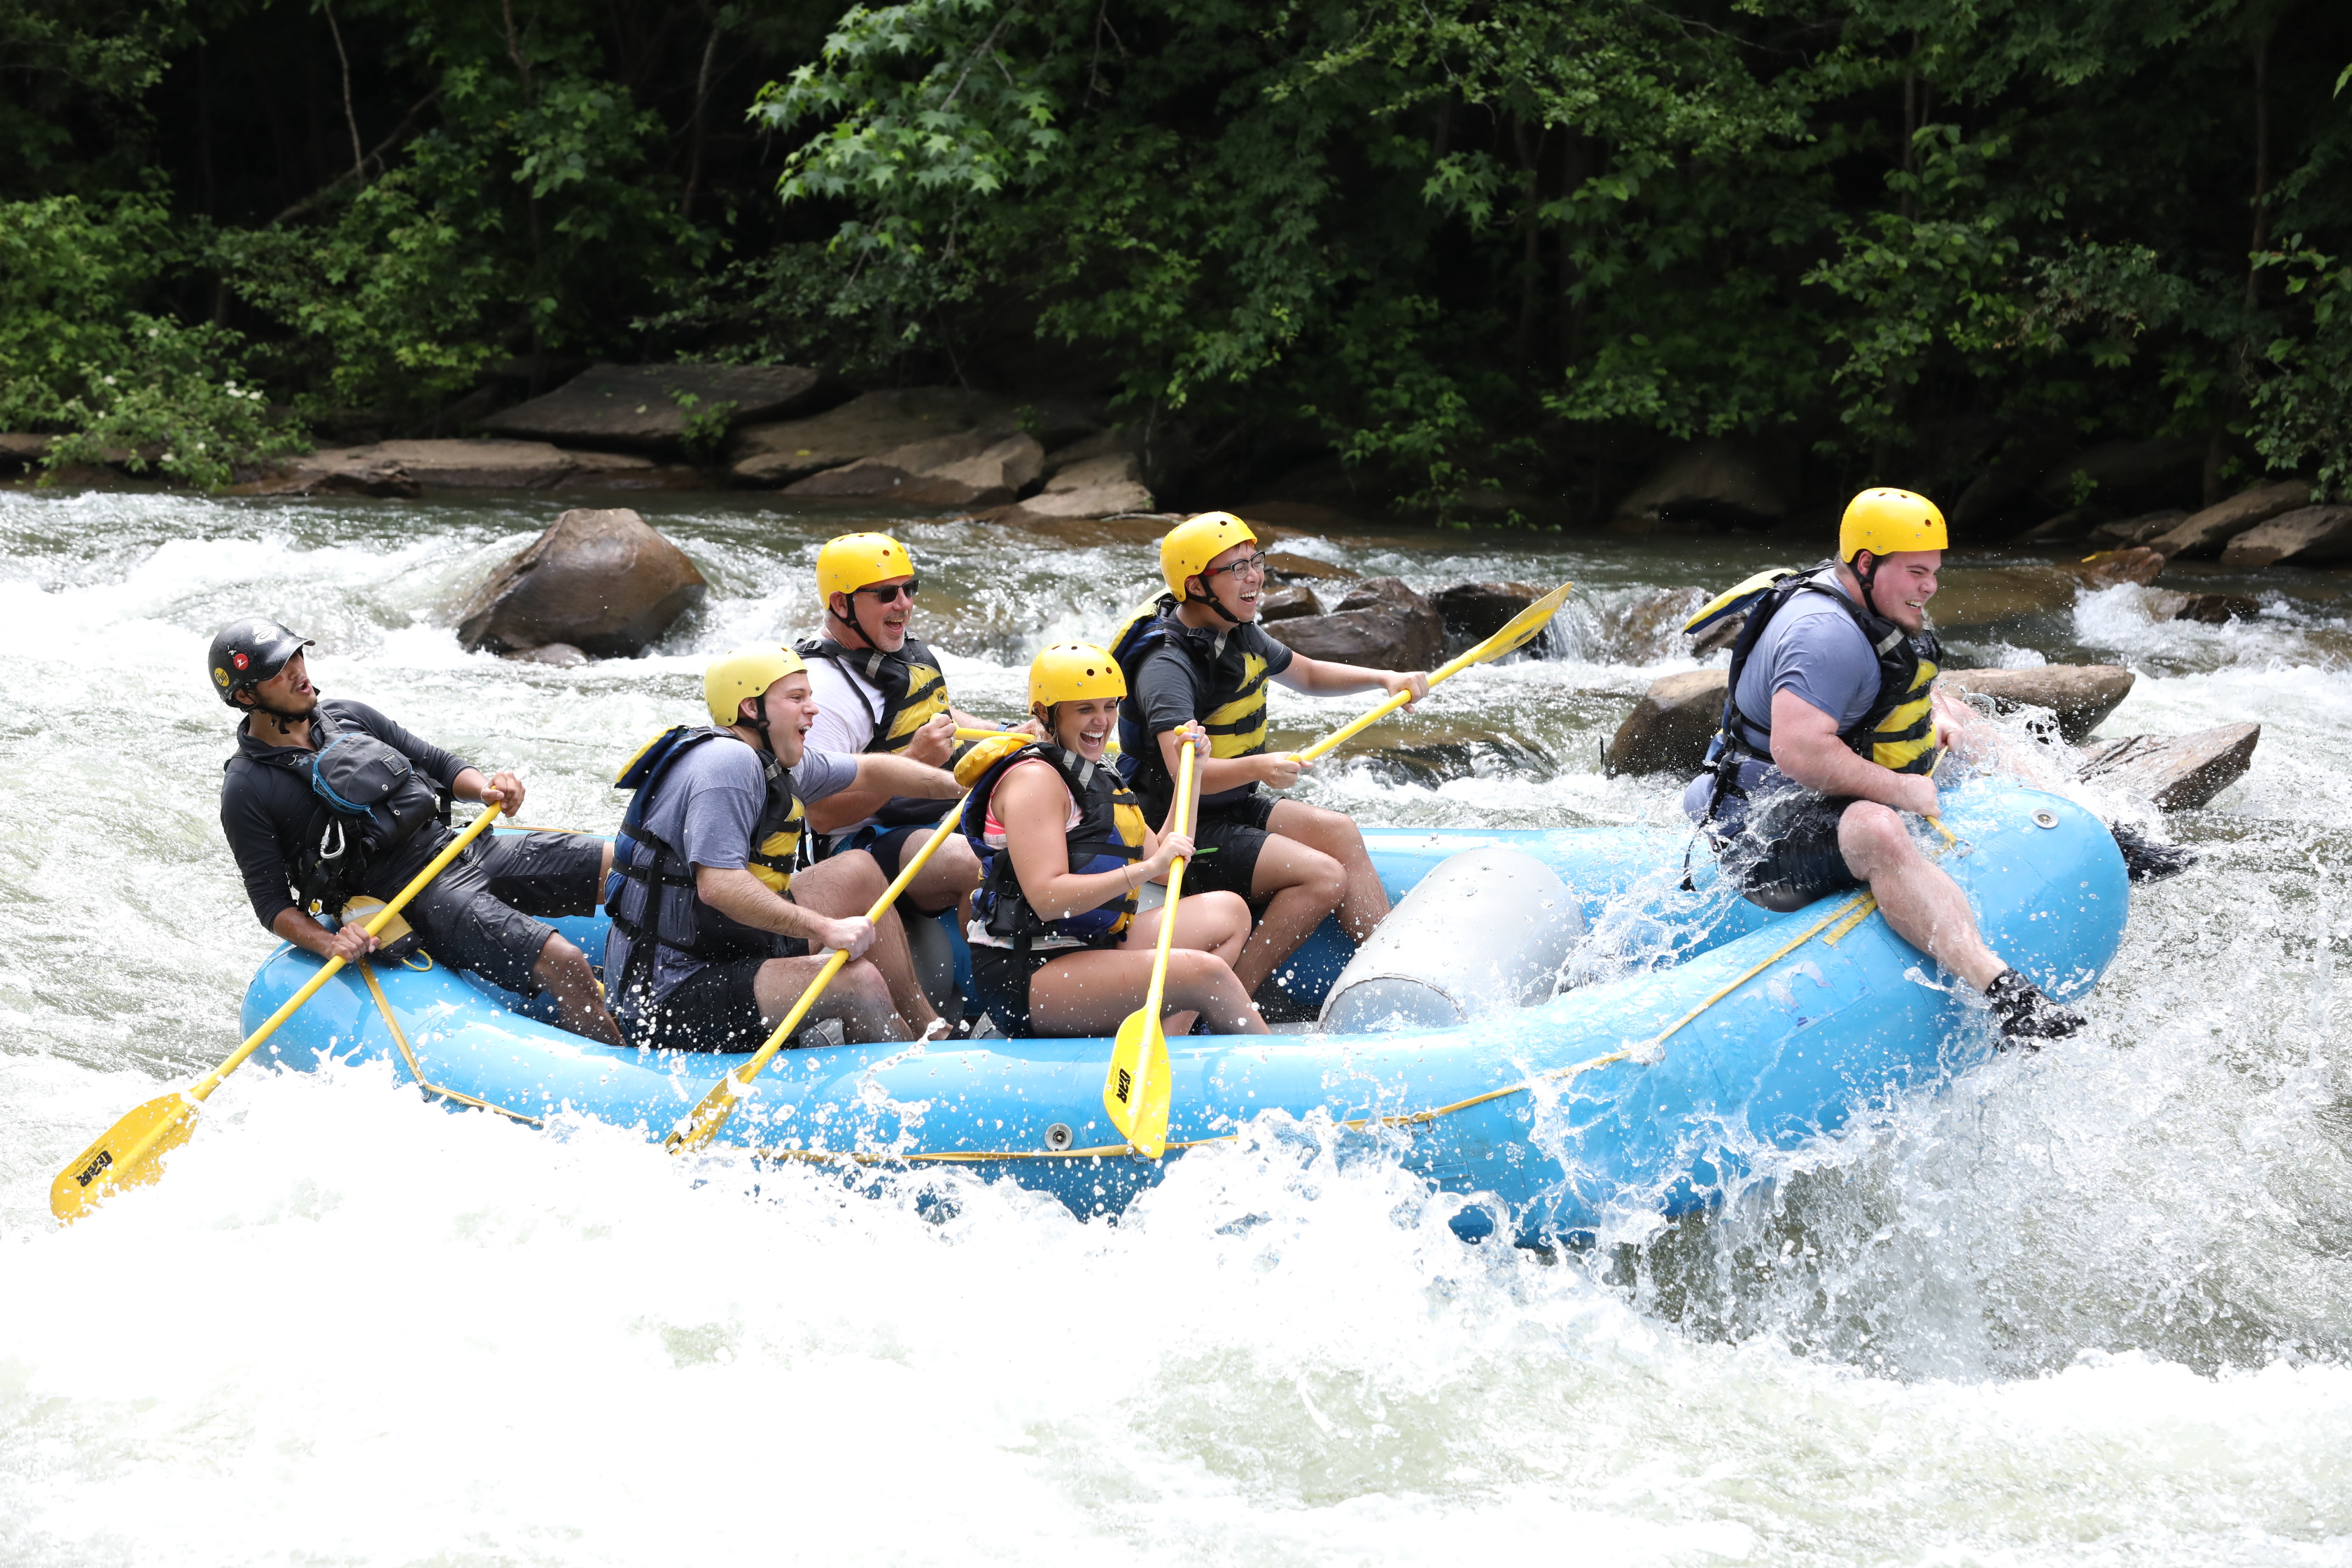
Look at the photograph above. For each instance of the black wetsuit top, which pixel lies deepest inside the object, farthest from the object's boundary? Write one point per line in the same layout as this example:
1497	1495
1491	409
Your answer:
273	820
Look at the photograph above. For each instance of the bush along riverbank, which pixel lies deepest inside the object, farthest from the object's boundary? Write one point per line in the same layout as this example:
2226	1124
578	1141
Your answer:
1530	264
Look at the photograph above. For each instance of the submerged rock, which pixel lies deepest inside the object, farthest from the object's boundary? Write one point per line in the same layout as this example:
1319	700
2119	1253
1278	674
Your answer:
603	580
2307	536
1382	623
2205	532
1669	728
2081	695
641	406
2177	773
2213	609
561	655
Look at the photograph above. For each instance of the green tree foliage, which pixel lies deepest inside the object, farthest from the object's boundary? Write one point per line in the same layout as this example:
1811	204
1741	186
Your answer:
1454	242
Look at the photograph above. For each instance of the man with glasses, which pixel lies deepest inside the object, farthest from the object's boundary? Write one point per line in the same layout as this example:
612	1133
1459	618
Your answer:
1197	653
877	688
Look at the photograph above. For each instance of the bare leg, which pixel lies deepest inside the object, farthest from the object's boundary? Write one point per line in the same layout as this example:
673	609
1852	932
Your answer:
563	973
604	870
848	884
1364	903
1921	902
858	996
947	877
1216	923
1306	885
1090	993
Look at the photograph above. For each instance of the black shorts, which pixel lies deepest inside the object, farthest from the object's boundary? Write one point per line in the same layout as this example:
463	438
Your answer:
1785	853
717	1008
886	845
478	913
999	981
1228	842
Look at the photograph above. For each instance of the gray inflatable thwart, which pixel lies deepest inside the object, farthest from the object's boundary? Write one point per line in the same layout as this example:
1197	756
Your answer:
1484	931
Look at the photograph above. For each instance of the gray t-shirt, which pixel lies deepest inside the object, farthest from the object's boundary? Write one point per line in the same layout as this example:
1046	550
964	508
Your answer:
1812	648
706	808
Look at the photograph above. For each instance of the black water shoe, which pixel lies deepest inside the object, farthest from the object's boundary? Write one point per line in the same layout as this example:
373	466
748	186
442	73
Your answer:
2027	1018
2145	860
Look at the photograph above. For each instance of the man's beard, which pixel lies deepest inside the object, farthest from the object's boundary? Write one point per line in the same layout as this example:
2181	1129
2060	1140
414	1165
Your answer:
282	717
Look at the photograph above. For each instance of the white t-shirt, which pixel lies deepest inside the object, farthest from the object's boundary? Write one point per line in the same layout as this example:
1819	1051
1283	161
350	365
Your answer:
845	705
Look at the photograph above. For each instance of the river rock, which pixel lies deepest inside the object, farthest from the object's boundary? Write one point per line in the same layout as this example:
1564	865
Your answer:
2204	532
604	582
1382	623
2307	536
469	465
778	453
1669	728
2081	695
1476	611
561	655
2131	530
2138	564
972	468
22	451
638	406
1103	486
1707	484
350	471
1286	566
2177	773
1289	604
2213	609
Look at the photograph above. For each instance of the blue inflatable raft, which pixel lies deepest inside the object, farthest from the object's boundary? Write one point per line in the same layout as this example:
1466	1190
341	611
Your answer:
1725	1032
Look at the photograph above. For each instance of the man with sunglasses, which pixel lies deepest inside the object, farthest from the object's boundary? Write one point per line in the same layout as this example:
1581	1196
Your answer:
1197	654
880	690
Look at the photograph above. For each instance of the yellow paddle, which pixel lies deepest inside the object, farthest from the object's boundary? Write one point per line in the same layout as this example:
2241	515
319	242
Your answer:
131	1152
1135	1091
1520	631
717	1106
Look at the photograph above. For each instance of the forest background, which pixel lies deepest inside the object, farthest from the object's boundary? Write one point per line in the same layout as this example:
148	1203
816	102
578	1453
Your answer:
1474	259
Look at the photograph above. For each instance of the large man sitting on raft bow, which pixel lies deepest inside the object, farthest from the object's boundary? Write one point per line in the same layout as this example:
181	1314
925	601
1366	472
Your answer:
715	932
1830	732
1197	654
326	802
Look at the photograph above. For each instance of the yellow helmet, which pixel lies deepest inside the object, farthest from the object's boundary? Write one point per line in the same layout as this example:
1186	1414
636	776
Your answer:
857	560
1885	521
1191	544
744	672
1072	672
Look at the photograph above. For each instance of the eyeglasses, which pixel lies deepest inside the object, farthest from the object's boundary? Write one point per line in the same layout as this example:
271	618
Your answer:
888	593
1247	566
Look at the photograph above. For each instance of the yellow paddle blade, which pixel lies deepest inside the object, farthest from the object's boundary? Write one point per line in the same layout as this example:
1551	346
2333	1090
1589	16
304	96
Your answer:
1136	1091
130	1154
1520	629
709	1115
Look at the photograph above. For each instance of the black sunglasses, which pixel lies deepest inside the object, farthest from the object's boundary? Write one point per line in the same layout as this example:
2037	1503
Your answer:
888	593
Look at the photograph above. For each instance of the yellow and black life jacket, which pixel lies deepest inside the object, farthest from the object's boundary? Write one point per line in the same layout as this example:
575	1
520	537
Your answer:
913	692
1232	706
1896	732
1109	833
651	891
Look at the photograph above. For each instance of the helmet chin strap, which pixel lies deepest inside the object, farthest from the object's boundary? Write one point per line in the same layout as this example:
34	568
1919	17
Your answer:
768	740
1211	601
851	621
1867	579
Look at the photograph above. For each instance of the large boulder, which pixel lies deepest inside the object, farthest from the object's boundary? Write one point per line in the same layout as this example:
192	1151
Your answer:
1104	486
1669	728
778	453
465	465
604	582
1382	623
1477	611
345	470
2204	532
1706	485
2176	772
2307	536
646	408
972	468
2081	695
1289	604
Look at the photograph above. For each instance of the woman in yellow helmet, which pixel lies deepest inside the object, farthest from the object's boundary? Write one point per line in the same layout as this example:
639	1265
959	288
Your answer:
1057	945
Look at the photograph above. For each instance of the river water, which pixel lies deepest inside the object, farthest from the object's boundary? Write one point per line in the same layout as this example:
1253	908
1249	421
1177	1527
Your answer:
2090	1307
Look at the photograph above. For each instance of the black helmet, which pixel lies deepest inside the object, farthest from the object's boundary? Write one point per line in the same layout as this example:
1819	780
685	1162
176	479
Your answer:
248	651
